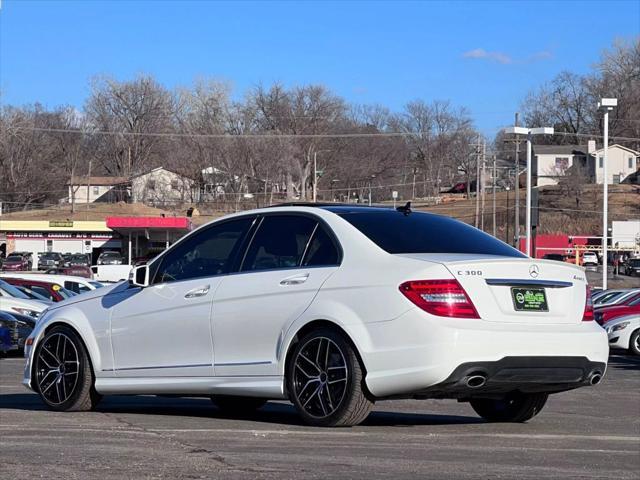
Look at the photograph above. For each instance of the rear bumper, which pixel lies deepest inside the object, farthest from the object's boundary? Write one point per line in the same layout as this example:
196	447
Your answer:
418	352
523	374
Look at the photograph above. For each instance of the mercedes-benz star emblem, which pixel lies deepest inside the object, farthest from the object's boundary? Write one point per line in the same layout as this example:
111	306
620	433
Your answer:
534	270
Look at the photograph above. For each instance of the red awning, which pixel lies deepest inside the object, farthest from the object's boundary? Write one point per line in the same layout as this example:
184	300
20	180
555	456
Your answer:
155	223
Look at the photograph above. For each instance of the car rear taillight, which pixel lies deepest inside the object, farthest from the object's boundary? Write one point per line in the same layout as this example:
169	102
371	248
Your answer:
587	316
444	298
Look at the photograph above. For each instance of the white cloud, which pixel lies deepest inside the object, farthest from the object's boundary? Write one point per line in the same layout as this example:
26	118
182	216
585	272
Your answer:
504	59
481	53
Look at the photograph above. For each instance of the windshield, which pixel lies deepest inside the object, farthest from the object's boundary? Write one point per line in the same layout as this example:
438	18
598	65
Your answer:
420	232
111	254
11	291
635	262
50	255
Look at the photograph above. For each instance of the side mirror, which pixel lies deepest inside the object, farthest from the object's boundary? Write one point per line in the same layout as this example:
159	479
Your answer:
139	276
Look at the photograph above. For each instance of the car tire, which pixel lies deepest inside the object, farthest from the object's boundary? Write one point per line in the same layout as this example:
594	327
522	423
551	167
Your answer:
62	372
634	343
235	405
515	407
325	381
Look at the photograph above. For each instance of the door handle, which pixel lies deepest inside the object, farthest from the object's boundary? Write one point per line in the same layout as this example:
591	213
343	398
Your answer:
295	280
197	292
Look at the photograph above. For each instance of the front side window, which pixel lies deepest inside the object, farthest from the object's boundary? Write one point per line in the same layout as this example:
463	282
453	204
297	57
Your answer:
280	242
207	253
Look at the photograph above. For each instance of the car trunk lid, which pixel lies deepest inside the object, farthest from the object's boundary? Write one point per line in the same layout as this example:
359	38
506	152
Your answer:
517	290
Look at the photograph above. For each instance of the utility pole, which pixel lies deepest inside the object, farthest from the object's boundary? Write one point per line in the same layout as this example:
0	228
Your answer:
477	220
494	195
516	232
483	179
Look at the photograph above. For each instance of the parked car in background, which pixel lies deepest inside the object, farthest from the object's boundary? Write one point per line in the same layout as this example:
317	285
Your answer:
17	262
110	258
74	284
13	300
74	271
5	336
48	260
19	326
609	297
589	259
558	257
51	290
77	260
624	333
110	273
631	267
33	295
607	313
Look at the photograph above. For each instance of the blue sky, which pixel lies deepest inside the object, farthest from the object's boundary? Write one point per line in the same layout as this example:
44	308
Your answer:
482	55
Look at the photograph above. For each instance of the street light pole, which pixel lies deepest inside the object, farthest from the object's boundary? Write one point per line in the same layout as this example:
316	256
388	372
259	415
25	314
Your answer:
529	132
315	176
607	105
528	233
516	228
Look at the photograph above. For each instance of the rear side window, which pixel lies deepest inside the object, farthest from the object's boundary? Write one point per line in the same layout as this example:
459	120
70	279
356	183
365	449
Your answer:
280	242
321	250
419	232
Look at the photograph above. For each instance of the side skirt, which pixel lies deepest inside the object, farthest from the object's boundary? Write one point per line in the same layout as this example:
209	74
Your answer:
271	387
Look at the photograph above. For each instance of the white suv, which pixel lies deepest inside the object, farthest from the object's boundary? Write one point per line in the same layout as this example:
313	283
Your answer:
589	258
331	307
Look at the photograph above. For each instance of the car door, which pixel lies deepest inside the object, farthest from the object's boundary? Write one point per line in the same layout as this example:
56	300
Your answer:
287	261
164	330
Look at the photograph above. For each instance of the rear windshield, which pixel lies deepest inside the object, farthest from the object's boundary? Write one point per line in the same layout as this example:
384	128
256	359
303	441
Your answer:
419	232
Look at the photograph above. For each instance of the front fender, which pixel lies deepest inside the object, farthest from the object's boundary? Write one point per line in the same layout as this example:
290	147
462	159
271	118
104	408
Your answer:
92	325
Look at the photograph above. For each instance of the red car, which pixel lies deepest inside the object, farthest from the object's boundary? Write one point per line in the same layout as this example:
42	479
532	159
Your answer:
16	263
50	290
630	306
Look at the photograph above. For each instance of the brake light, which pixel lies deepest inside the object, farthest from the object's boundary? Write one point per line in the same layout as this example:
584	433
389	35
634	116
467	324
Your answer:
588	307
444	298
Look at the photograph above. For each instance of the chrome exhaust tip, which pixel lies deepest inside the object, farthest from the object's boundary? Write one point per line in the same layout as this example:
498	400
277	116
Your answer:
595	378
476	381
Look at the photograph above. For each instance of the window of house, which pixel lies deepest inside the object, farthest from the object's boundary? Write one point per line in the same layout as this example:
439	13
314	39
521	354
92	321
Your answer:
600	162
616	179
631	162
151	184
96	190
562	163
175	185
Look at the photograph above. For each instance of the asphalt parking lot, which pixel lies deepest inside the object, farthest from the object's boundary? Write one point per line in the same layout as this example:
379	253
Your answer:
587	433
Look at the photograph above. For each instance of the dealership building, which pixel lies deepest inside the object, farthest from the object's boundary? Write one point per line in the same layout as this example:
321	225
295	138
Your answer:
132	236
69	236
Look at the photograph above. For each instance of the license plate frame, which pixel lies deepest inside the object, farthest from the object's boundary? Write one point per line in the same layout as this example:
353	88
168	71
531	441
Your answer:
532	299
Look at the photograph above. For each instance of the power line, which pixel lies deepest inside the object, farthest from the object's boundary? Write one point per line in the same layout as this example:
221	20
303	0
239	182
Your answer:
226	136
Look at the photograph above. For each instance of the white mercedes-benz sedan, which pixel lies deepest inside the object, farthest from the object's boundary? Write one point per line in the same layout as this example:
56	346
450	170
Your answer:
333	308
